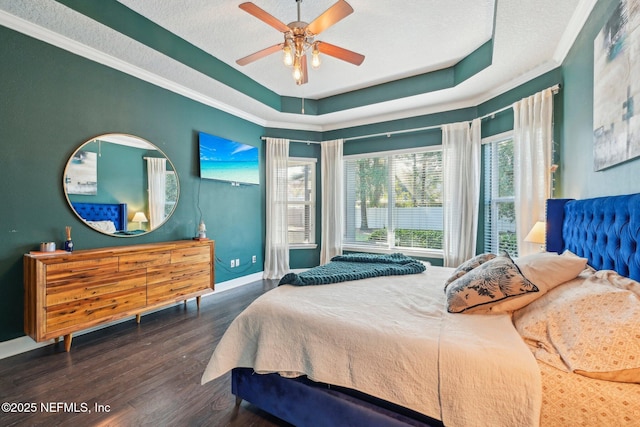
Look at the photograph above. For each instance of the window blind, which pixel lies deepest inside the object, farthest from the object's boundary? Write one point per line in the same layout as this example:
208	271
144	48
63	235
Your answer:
394	200
499	200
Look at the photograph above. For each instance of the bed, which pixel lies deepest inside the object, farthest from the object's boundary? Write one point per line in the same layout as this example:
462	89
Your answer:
109	218
485	367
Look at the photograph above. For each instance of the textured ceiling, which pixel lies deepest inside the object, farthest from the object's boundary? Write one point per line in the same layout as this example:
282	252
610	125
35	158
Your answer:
397	42
398	39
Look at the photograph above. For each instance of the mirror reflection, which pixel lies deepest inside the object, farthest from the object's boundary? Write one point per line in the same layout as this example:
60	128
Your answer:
121	185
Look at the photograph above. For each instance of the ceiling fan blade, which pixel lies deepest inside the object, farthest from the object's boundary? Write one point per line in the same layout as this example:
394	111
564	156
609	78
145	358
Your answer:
335	13
264	16
259	54
340	53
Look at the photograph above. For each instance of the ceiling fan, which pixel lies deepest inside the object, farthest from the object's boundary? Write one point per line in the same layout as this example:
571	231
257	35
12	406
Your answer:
299	36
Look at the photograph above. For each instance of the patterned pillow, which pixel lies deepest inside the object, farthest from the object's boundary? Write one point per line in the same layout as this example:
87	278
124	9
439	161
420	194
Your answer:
487	284
467	266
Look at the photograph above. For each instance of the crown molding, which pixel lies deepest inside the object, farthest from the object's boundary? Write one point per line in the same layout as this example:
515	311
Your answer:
30	29
578	19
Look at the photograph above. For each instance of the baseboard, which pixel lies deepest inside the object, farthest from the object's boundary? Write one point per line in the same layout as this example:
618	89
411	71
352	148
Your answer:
24	344
234	283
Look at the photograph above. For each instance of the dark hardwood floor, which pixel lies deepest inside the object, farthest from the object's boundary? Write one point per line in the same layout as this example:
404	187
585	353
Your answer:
134	375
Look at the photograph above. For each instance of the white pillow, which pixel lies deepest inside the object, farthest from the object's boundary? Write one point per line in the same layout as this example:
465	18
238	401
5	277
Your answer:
104	226
546	270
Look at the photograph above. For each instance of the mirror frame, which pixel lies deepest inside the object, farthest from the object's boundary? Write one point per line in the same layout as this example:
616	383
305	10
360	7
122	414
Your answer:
143	143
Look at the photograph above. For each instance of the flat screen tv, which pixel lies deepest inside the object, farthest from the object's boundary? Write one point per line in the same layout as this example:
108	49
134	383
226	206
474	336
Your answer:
226	160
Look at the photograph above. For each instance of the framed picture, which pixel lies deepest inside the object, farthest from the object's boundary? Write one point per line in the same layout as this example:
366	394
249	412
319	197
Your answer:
81	175
616	87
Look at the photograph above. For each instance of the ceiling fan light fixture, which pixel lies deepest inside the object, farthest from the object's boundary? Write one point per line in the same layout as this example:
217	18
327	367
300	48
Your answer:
287	57
315	56
297	70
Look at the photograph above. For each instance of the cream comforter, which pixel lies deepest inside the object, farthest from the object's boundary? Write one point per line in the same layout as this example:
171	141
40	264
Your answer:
392	338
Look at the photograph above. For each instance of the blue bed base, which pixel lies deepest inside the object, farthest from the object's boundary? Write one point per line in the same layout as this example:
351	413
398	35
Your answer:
302	402
604	230
115	212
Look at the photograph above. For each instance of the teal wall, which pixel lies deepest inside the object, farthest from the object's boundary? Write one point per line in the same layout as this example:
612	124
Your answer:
53	101
578	179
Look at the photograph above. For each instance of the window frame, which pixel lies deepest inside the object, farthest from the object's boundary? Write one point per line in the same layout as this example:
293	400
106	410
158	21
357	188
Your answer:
391	247
312	202
494	198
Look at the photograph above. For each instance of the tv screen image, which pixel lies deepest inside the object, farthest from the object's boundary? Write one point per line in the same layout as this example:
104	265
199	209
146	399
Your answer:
227	160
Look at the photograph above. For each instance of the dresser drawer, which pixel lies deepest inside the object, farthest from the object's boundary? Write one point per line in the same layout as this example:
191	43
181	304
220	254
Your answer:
192	255
174	282
62	274
101	307
94	286
135	261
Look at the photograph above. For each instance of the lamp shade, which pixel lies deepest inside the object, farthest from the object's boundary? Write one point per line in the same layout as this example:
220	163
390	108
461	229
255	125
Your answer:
140	217
537	233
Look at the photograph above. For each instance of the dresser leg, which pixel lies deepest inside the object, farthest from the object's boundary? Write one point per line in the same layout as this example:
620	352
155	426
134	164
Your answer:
67	342
56	340
138	318
198	302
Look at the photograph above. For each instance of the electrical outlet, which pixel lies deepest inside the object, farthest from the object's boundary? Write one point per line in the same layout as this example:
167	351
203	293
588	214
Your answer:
233	263
253	259
237	262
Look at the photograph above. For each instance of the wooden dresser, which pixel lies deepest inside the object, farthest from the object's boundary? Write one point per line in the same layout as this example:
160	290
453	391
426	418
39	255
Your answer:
69	292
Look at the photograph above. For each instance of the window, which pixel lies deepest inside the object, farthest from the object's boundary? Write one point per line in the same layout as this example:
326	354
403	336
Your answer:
301	204
171	192
499	196
394	200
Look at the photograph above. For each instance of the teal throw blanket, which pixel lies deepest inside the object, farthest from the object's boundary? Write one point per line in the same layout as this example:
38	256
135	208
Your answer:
342	268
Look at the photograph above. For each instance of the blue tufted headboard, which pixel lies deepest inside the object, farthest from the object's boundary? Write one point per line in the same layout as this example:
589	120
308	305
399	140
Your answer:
115	212
605	230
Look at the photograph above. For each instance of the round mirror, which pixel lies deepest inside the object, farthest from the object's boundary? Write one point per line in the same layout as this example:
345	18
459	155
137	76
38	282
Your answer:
121	185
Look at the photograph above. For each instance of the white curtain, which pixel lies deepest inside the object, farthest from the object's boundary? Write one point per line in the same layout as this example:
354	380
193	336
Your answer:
461	190
532	139
332	199
276	259
157	177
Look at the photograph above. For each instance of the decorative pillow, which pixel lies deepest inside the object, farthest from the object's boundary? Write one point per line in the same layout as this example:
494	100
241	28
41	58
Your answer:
467	266
487	284
589	326
546	270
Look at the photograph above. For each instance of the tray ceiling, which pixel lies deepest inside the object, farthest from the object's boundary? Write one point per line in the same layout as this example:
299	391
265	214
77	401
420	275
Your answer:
400	40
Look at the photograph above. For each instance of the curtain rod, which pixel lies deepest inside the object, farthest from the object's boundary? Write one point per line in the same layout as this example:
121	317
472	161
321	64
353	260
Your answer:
554	89
295	140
